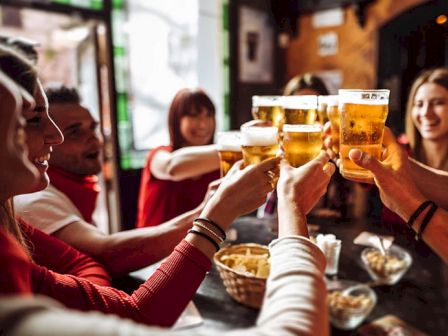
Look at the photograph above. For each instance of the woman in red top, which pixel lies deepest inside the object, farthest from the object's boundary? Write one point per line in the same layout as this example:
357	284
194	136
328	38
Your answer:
175	177
162	298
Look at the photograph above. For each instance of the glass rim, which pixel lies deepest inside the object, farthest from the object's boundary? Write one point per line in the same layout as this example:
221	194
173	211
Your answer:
269	101
298	102
302	128
330	100
258	128
365	97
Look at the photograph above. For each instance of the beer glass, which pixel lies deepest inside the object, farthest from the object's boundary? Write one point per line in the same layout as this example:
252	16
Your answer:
300	109
322	109
301	143
268	108
363	114
335	122
229	149
258	143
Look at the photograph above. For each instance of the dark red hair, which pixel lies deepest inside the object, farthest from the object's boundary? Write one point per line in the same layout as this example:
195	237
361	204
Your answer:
186	102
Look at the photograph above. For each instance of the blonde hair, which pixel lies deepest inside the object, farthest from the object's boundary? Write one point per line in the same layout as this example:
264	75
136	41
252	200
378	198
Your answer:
437	76
9	223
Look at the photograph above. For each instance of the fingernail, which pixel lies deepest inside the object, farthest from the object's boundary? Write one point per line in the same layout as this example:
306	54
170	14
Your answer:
355	154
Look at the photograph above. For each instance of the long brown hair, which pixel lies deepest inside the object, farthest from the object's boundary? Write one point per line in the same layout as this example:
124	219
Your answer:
22	72
186	102
437	76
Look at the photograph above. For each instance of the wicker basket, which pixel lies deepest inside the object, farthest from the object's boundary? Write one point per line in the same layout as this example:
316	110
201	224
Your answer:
243	287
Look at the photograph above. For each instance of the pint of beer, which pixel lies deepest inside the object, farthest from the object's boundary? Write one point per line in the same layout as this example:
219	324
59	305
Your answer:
363	114
333	115
259	143
301	143
268	108
229	149
300	109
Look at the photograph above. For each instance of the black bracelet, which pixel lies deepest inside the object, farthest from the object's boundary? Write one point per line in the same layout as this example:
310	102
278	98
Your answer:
417	213
210	239
212	223
426	220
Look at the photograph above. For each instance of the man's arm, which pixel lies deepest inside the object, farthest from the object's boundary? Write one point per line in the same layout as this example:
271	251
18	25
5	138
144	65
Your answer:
433	183
127	251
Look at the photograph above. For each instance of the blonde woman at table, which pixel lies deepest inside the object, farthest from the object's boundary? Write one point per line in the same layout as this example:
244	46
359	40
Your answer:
417	193
294	303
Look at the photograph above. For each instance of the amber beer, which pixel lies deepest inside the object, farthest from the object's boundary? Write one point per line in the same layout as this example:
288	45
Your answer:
335	121
268	108
300	109
259	143
363	114
322	109
229	149
301	143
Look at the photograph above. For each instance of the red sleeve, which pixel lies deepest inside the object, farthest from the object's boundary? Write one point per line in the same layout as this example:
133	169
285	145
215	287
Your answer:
146	210
15	266
62	258
159	301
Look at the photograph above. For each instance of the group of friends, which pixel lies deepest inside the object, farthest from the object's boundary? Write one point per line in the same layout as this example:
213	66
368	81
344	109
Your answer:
57	265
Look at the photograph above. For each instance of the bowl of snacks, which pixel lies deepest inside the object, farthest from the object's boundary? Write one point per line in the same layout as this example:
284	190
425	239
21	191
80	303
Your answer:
349	303
244	269
386	268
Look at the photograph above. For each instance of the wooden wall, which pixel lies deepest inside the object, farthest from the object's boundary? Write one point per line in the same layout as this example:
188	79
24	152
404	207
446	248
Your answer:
358	49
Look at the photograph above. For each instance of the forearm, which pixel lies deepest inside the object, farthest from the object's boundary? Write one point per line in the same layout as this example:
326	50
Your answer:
297	267
291	220
131	250
436	232
159	301
433	183
193	161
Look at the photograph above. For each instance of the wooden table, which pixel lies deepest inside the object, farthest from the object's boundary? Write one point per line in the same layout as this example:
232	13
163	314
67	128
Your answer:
419	298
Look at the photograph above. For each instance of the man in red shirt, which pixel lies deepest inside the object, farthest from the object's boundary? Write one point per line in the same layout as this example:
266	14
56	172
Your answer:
65	208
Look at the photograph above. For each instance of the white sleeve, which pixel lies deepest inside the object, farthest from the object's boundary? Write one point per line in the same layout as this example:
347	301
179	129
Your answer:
48	210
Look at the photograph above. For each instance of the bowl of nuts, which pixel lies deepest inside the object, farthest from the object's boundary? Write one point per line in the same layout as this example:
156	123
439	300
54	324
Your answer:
349	303
386	268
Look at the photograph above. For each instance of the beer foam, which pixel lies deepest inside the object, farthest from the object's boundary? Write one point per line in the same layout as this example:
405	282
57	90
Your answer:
302	128
300	102
267	101
259	136
332	100
229	147
364	97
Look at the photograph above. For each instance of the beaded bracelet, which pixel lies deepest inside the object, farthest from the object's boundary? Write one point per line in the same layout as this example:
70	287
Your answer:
426	220
202	234
417	213
213	224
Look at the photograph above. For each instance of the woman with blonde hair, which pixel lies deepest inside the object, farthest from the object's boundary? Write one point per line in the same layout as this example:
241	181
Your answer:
427	118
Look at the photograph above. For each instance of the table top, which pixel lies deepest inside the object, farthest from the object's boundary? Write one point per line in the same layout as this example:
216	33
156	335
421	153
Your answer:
420	298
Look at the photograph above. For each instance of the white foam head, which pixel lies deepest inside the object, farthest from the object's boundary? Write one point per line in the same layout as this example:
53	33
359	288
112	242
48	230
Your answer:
266	101
332	100
259	136
302	128
300	102
229	141
364	97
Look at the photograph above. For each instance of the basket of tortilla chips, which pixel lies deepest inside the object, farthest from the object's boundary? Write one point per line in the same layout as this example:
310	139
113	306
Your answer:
244	269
